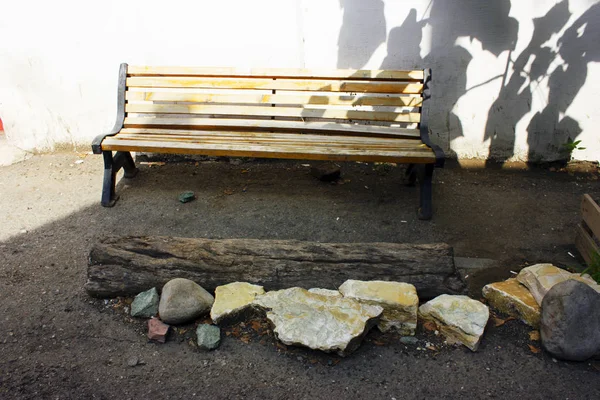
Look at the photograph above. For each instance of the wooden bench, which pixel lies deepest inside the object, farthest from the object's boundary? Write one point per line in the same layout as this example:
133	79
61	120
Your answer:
336	115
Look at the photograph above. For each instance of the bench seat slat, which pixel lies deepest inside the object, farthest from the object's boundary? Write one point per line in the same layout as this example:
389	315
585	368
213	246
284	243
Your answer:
277	84
267	138
276	125
315	151
274	112
270	135
274	72
334	99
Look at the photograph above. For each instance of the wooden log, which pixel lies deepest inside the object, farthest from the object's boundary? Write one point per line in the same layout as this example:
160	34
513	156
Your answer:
124	266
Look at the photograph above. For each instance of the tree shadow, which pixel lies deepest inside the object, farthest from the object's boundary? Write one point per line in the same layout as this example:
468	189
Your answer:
497	32
514	100
578	46
363	31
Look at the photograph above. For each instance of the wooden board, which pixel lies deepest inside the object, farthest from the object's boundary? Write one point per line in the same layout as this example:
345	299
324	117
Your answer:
276	84
263	111
266	139
274	125
585	244
134	70
334	99
267	136
590	212
125	266
264	150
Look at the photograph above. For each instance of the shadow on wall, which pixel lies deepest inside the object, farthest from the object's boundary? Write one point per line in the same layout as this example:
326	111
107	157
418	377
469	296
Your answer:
491	25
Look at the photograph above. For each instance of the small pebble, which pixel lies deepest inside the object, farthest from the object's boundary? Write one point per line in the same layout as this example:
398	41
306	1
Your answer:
133	361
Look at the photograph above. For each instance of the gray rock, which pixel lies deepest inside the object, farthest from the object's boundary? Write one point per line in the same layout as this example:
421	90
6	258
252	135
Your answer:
326	172
570	324
208	336
133	361
183	300
409	340
145	304
186	197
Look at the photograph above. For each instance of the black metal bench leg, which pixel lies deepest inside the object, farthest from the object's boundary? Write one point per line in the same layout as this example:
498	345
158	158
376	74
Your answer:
410	176
108	186
125	160
112	165
425	199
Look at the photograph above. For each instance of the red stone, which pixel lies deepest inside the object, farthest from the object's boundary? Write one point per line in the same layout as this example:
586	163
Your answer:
157	330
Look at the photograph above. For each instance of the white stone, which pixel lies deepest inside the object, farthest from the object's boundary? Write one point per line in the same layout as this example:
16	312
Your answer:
459	318
320	322
326	292
183	300
540	278
398	299
233	299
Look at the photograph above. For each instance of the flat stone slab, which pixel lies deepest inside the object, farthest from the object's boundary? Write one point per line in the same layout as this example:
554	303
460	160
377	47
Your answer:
233	300
326	292
512	298
459	318
540	278
399	301
319	322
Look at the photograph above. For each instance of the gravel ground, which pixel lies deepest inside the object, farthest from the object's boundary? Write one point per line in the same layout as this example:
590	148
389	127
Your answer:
56	342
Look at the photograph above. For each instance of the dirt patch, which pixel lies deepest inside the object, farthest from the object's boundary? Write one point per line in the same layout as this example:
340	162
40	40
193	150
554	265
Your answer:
56	342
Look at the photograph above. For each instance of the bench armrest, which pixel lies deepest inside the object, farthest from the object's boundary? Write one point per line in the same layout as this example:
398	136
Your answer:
424	126
97	142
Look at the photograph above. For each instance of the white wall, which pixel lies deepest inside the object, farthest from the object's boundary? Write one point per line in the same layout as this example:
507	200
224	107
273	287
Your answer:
59	61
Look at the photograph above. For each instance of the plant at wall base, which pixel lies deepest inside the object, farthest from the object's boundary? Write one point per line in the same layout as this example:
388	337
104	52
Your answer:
570	147
593	267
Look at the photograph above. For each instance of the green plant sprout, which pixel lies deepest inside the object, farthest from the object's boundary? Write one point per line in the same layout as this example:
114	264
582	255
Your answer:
593	268
571	146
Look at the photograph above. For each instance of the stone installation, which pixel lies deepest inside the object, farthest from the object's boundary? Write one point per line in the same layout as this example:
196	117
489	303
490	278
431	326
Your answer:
540	278
563	305
512	298
145	304
399	302
320	322
183	300
157	330
233	301
326	292
570	325
459	318
208	337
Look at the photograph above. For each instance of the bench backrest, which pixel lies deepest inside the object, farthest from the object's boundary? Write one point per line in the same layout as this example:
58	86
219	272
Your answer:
349	102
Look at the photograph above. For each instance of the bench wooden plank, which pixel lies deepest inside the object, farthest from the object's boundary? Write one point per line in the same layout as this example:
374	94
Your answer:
273	112
590	212
278	125
336	99
586	245
277	84
271	135
296	140
134	70
270	151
